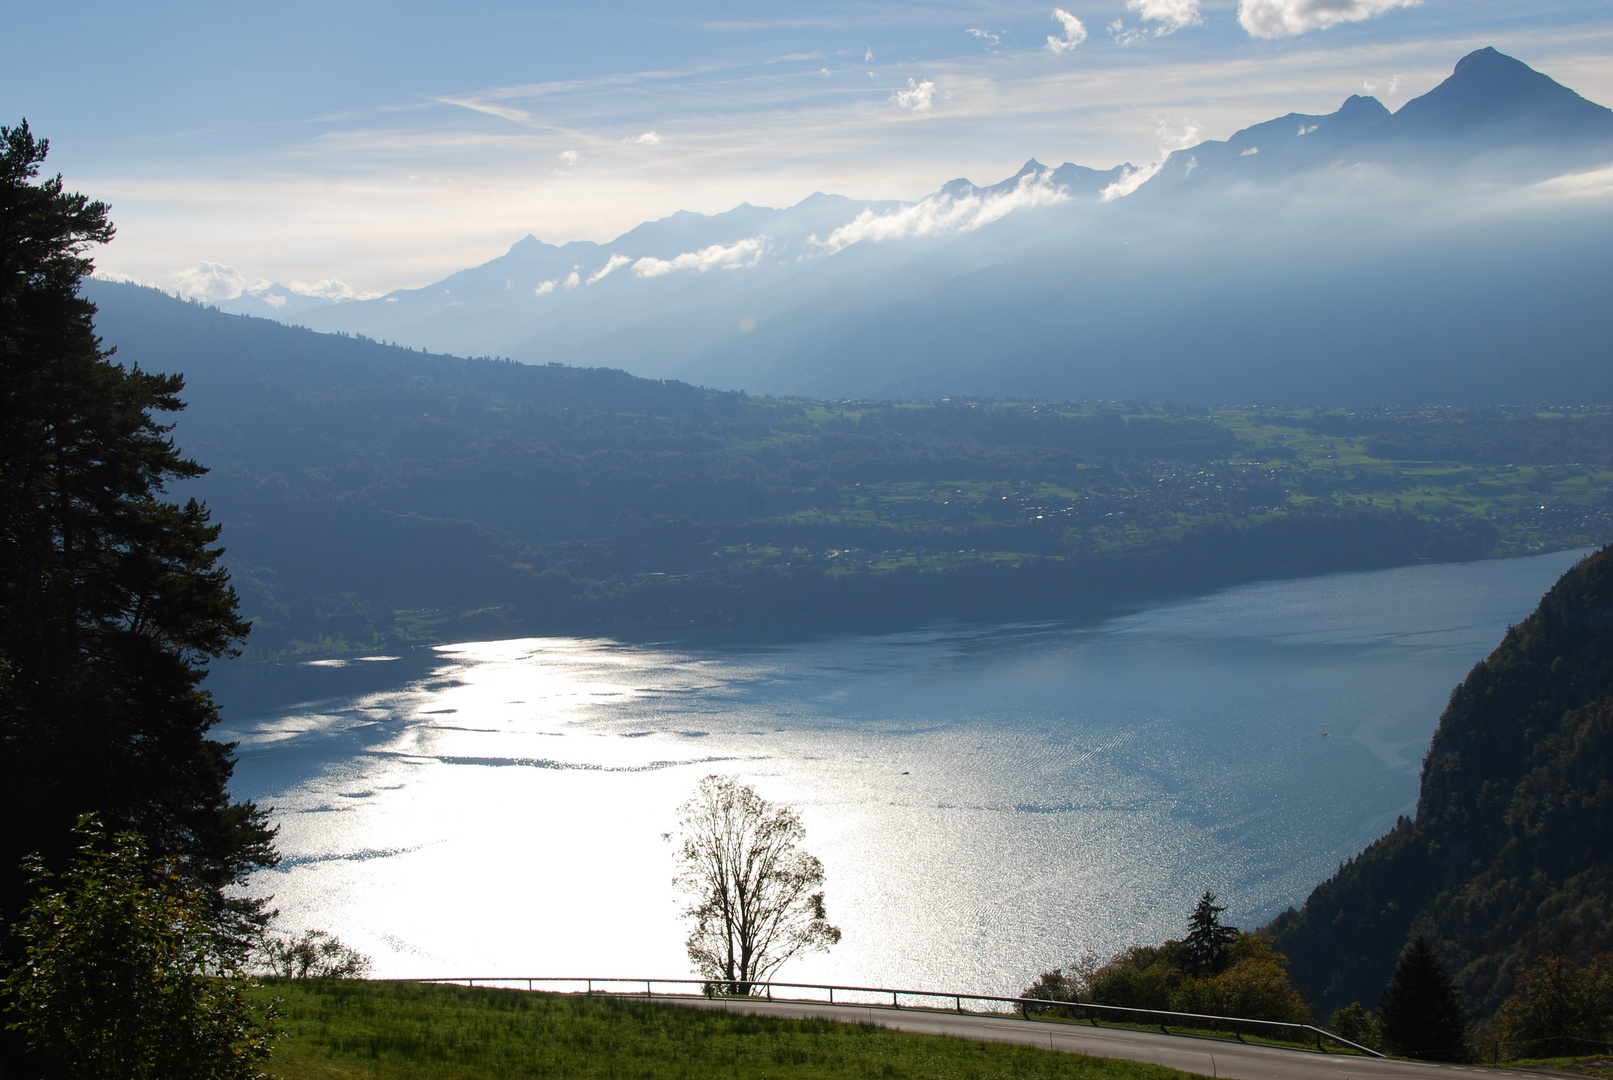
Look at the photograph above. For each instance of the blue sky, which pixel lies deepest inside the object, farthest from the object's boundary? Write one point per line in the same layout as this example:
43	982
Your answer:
384	145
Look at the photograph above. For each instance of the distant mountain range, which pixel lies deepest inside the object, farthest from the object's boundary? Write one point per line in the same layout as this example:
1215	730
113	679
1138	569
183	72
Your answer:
1433	254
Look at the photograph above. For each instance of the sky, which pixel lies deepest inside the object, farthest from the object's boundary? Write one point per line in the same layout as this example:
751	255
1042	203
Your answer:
355	148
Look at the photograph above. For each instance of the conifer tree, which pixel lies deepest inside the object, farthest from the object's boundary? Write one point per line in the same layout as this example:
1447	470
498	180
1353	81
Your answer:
1208	945
1421	1012
111	599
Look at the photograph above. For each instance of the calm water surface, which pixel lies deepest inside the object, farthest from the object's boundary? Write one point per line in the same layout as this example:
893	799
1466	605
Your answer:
989	802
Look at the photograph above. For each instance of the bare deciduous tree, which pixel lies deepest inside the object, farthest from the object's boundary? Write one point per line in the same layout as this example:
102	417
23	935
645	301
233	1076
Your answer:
755	894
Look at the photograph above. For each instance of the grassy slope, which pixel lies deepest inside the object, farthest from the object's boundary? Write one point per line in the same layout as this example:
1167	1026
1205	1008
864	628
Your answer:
345	1031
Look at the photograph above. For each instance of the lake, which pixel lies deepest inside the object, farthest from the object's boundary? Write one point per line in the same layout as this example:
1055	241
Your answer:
989	801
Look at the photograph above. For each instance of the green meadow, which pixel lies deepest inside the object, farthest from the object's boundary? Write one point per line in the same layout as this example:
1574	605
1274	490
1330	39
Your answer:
339	1030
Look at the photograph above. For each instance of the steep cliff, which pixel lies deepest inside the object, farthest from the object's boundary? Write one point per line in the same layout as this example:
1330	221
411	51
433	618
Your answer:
1511	851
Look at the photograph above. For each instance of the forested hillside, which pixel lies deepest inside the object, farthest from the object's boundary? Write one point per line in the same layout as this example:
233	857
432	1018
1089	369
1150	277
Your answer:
1511	852
372	494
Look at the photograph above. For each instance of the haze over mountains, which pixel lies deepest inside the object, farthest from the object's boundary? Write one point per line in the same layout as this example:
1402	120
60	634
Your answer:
1453	251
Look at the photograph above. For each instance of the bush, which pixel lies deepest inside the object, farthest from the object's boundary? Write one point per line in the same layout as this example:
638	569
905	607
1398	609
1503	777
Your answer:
1561	1008
1141	977
1357	1024
125	974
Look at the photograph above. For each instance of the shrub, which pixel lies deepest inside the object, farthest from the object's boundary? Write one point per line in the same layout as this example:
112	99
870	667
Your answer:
125	975
1357	1024
1560	1008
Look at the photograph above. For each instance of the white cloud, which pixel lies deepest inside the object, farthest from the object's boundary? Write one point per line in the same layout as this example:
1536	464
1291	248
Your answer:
1073	34
1132	178
940	214
1126	36
1172	15
616	263
1286	18
918	96
868	57
992	42
544	288
1387	89
569	157
1597	183
572	281
329	288
1253	150
213	281
649	138
735	256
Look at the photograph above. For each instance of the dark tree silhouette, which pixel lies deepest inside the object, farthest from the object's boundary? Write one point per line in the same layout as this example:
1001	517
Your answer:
1421	1012
1207	949
111	600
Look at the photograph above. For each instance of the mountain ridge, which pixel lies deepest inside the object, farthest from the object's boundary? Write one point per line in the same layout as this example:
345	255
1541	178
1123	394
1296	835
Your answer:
819	298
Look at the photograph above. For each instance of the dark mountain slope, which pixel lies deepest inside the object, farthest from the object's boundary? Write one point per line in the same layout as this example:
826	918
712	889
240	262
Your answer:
1511	852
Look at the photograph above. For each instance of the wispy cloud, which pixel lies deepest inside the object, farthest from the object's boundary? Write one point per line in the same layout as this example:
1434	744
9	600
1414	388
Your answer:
503	112
616	263
1597	183
1287	18
942	213
544	288
992	42
919	96
569	157
649	138
1168	15
1126	36
1170	140
1073	33
1171	15
735	256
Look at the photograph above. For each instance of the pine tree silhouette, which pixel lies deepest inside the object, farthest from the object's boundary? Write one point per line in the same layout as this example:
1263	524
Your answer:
1208	944
1421	1011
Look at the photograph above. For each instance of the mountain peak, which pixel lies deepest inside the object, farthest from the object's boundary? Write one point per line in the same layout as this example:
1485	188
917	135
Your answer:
1488	54
1356	105
1492	93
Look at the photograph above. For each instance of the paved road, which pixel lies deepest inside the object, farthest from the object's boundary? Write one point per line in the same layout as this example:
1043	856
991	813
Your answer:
1209	1057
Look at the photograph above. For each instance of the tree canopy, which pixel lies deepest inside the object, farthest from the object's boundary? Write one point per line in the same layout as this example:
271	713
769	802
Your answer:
111	599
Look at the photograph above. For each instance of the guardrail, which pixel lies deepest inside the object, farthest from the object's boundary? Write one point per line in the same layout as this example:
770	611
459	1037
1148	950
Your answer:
1025	1006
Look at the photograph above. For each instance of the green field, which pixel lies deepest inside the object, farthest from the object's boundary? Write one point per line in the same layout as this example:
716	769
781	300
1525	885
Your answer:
350	1030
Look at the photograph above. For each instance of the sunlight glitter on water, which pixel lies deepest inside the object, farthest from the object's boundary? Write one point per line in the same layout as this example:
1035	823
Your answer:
988	801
